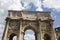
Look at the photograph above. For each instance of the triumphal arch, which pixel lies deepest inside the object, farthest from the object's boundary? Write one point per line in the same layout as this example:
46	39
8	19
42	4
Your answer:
18	22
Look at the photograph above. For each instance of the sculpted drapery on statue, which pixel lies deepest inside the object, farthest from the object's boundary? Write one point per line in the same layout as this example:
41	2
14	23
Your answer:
18	22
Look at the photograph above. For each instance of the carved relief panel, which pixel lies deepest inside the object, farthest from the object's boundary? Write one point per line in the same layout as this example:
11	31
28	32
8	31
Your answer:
46	26
34	23
14	25
43	26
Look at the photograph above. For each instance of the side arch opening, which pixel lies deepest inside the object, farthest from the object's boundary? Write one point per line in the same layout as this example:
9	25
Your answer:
47	37
13	37
58	38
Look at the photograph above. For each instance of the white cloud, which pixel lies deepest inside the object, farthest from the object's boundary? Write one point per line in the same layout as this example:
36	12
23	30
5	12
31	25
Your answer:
35	2
1	30
52	3
2	10
39	9
3	2
18	6
29	37
14	7
15	38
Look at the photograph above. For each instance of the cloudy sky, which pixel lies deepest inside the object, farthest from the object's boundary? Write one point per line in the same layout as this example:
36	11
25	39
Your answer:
31	5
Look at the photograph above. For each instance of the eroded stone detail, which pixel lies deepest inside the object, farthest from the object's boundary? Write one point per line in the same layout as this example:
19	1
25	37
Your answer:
18	22
14	25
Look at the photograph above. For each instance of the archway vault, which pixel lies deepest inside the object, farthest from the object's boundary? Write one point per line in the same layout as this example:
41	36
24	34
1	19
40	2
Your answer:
12	36
47	37
31	27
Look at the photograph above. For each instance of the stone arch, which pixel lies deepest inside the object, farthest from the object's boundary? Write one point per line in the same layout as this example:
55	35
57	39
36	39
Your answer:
31	27
47	37
58	38
29	34
12	36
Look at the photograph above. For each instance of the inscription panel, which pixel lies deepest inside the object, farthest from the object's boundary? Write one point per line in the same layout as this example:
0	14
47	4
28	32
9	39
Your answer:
29	16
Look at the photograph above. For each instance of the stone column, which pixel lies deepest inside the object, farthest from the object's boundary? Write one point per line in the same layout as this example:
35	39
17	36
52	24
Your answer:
10	14
39	32
21	32
53	32
5	37
38	36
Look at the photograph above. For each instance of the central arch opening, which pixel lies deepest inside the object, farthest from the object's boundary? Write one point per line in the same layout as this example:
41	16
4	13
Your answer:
29	35
15	38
